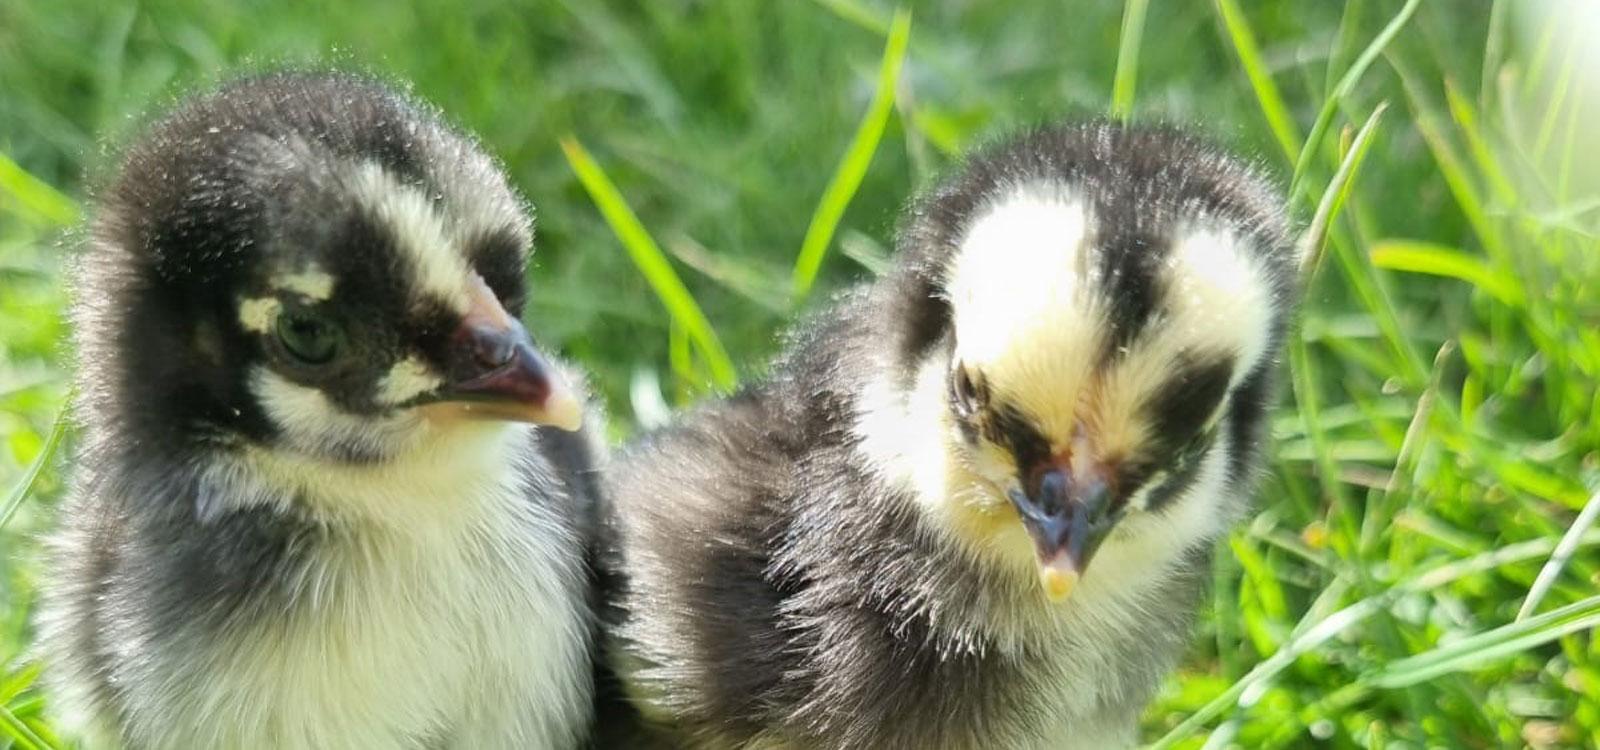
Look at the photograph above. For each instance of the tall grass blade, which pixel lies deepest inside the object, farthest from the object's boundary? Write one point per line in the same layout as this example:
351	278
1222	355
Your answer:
1494	47
1255	68
1330	105
1438	260
25	485
858	14
1466	117
19	733
651	262
1490	645
1559	558
36	195
20	680
1311	634
1127	75
1338	191
853	167
1344	42
1452	167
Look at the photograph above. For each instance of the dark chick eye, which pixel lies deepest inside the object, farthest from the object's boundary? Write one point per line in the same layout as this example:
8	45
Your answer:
308	338
966	393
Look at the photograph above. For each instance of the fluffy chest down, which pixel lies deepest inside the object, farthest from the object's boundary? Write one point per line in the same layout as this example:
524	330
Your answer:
993	673
459	622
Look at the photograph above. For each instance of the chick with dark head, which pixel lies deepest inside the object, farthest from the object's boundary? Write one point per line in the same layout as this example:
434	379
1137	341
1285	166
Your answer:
327	495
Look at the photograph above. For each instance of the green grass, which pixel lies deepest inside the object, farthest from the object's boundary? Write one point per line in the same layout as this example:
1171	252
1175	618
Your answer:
1421	571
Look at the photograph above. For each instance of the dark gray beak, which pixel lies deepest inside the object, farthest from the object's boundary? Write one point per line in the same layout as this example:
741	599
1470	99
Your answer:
1068	514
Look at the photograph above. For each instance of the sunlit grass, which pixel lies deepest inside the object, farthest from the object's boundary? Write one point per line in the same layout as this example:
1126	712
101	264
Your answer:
1422	568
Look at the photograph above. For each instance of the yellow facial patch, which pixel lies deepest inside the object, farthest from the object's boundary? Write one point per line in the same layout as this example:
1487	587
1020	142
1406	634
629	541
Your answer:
260	314
310	282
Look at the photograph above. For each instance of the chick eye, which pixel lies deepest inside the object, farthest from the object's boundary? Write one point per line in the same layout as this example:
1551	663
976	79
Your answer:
308	337
966	392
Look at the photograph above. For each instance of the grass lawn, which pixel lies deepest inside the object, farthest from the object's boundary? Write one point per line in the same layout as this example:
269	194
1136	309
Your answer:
1421	571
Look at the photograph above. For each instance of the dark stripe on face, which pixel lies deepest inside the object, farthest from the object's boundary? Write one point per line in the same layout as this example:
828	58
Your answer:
1189	397
499	257
1178	412
1176	479
1009	427
1129	263
922	315
1246	419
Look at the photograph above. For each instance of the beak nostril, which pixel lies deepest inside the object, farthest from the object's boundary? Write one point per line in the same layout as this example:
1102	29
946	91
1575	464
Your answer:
1053	491
491	348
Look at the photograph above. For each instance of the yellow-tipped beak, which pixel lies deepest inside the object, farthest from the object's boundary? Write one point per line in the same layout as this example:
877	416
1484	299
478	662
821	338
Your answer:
1058	578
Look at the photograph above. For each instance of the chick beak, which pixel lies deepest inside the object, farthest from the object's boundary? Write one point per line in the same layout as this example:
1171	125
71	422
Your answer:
1067	512
494	372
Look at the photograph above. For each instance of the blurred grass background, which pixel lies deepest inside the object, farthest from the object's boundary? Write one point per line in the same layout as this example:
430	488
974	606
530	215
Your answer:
1421	573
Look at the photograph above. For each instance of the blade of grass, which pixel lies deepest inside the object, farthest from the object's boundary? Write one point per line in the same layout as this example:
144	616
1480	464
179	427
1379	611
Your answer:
1494	47
1338	191
746	278
1304	382
1382	504
1255	68
1438	260
1330	105
853	167
1344	42
1557	103
1310	634
1304	369
1306	641
1462	111
1452	167
1489	645
35	195
865	252
1558	559
858	14
20	492
1277	114
651	261
1568	159
20	680
1127	75
679	356
25	738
